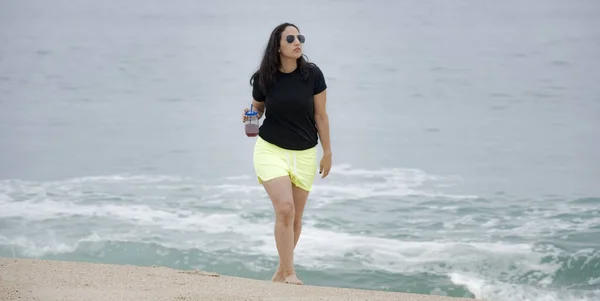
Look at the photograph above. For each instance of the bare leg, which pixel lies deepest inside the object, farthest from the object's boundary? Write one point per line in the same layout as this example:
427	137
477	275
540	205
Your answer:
281	194
300	196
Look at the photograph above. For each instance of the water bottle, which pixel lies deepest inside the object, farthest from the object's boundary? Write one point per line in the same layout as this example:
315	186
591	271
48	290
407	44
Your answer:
251	123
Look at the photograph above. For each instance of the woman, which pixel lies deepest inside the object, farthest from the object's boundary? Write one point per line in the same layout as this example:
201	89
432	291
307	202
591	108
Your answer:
293	93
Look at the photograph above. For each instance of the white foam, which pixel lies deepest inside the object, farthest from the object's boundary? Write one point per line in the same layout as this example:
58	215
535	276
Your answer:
501	291
473	284
544	221
37	247
389	182
129	178
240	177
594	281
48	209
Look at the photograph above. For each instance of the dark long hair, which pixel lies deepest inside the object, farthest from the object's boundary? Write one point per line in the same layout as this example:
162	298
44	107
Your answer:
271	61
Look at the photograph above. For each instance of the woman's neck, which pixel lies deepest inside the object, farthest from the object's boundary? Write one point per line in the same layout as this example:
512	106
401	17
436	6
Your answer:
288	65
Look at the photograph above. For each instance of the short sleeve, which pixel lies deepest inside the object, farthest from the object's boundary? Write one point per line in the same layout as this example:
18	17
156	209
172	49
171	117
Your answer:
256	93
319	84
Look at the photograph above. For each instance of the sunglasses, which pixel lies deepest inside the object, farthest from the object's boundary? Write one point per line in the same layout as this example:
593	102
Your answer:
290	38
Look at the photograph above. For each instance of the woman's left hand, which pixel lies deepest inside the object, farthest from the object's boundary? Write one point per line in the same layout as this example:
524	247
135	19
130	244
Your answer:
325	165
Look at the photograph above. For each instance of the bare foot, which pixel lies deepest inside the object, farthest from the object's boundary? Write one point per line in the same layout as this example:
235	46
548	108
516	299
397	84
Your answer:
292	279
278	276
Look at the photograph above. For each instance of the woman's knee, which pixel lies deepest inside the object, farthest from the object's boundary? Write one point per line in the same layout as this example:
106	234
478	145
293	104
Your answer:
285	211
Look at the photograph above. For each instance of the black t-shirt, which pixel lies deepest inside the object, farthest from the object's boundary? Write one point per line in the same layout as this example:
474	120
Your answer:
289	109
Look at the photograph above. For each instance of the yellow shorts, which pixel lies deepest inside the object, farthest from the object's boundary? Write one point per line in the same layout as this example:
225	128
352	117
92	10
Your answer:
272	161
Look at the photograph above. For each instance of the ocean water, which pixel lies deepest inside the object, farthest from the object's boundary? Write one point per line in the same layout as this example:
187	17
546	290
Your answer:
465	135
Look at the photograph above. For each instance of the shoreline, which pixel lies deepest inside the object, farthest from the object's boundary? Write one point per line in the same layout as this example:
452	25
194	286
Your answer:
35	279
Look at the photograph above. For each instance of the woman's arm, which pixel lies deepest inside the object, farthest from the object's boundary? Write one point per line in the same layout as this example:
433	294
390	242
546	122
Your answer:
322	120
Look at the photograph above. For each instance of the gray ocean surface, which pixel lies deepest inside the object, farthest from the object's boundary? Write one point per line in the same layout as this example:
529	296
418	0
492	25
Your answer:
466	141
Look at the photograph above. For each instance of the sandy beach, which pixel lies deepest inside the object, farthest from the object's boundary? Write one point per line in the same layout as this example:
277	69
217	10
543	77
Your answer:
31	279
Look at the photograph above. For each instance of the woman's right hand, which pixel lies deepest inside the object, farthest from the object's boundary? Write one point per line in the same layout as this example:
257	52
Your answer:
244	118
